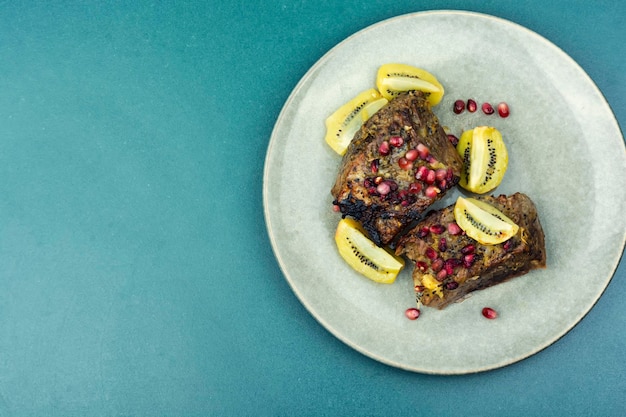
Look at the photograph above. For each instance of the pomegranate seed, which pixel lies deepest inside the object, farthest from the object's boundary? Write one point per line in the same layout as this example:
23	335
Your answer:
336	208
396	141
422	173
471	106
437	229
422	150
450	174
415	187
423	232
503	109
412	313
421	265
459	106
468	260
441	174
507	245
443	244
383	188
454	229
467	249
431	191
453	140
405	164
450	264
443	184
431	160
490	313
430	177
384	149
487	108
453	285
441	275
436	265
372	190
374	166
431	253
412	155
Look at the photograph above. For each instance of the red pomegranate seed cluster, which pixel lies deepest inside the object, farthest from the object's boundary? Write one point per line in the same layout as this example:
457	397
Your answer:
471	106
429	181
442	265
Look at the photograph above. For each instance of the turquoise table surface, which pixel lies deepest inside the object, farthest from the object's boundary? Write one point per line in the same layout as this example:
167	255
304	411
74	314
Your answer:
136	272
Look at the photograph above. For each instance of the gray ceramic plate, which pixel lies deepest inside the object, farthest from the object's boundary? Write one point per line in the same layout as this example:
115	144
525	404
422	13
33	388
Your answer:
563	142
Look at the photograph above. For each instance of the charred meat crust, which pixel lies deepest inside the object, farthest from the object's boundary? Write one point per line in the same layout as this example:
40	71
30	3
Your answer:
491	264
409	117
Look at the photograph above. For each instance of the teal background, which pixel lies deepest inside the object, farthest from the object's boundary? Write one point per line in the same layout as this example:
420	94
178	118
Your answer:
136	275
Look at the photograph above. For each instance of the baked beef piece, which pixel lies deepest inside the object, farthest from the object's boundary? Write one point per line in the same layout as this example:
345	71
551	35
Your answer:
397	165
449	264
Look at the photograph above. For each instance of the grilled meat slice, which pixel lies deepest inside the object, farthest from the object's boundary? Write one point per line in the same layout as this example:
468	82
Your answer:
467	265
397	165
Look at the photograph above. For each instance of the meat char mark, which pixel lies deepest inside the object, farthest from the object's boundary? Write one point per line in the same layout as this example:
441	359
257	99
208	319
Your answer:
468	265
380	184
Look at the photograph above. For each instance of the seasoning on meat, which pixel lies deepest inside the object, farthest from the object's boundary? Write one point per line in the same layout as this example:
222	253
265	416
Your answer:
398	164
449	264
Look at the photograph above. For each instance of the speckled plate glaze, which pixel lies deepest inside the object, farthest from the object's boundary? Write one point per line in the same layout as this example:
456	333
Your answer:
562	139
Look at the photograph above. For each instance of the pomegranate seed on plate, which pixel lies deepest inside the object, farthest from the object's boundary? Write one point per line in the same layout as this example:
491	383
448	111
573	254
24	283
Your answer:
487	108
459	106
490	313
412	313
503	109
471	106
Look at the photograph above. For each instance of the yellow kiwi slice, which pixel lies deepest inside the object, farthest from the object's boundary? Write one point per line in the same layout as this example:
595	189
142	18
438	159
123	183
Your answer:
392	79
485	159
363	255
348	119
483	222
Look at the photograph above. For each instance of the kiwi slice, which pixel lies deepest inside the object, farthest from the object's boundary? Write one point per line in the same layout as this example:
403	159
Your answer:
483	222
392	79
348	119
363	255
485	159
